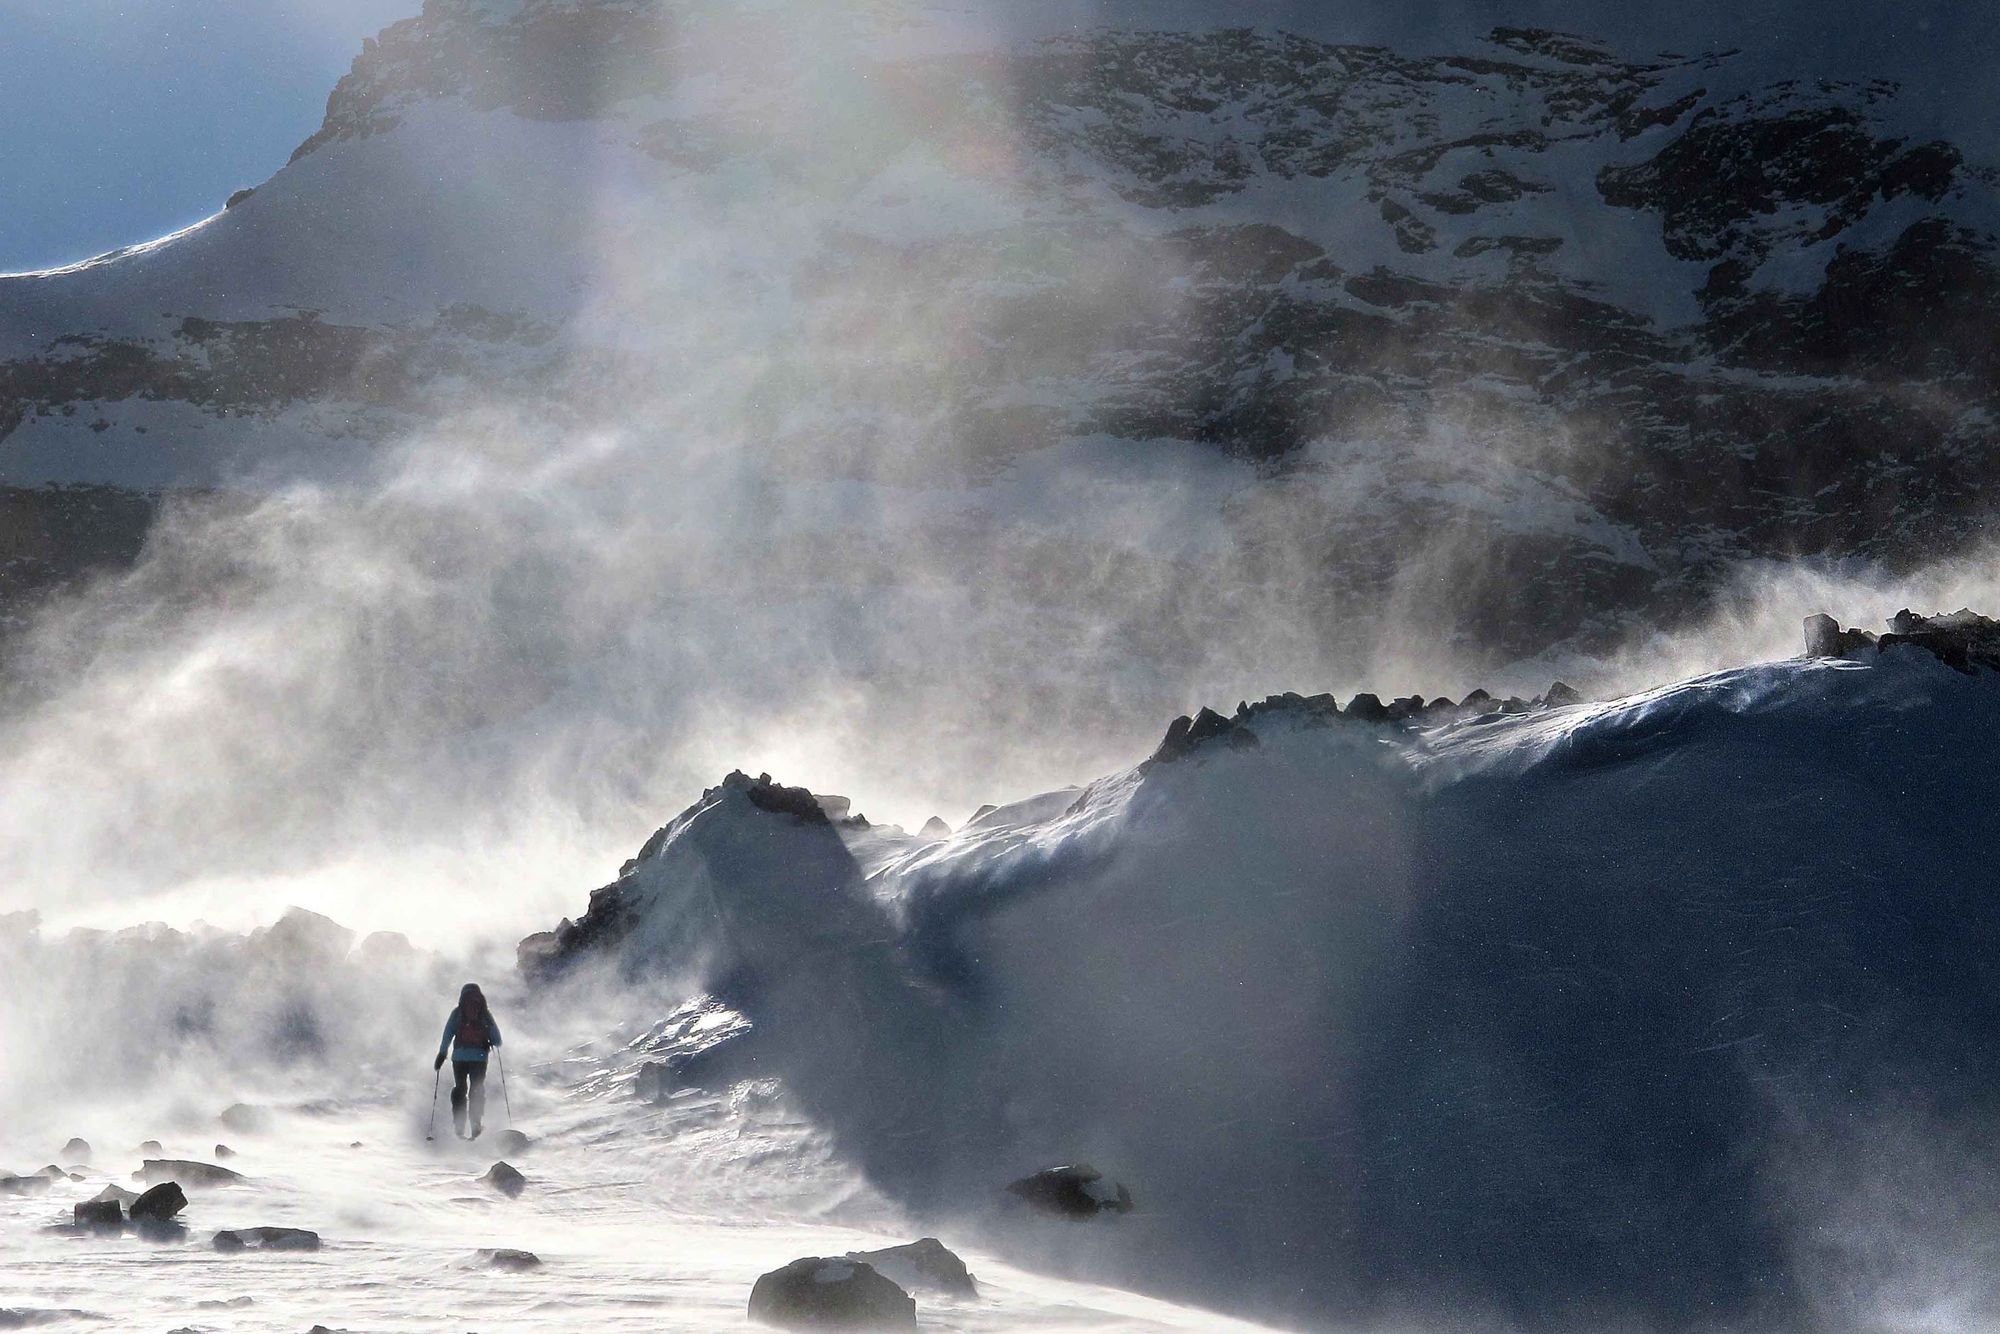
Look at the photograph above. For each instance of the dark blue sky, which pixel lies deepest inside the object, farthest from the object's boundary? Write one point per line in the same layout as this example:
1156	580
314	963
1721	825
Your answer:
121	120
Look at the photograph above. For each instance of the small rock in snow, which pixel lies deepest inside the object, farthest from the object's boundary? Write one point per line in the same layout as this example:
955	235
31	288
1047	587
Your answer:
267	1239
505	1179
512	1260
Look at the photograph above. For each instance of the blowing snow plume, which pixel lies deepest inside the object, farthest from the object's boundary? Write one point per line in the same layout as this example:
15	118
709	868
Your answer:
926	403
1557	1020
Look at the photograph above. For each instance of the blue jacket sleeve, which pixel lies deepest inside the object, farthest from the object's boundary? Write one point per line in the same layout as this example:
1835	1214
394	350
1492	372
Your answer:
493	1028
450	1032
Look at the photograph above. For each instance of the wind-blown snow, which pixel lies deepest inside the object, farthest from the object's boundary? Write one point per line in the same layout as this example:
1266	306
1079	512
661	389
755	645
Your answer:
1546	1015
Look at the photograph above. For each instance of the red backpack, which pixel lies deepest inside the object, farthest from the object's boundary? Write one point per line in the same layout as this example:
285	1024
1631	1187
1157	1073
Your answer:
473	1030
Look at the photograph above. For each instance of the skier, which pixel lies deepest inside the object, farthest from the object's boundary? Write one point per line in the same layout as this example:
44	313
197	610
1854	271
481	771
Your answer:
469	1034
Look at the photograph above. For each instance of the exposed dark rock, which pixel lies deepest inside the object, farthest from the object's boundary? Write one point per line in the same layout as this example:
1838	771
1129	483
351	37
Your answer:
505	1179
1367	709
1560	696
925	1263
34	1185
267	1239
766	795
54	1173
224	1151
99	1215
1187	735
116	1192
151	1148
935	827
1962	639
511	1260
238	197
160	1203
831	1293
512	1141
186	1172
76	1151
1076	1190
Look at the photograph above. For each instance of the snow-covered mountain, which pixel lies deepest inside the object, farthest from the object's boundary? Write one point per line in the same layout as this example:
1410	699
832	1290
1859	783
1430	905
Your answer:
1670	1012
1537	334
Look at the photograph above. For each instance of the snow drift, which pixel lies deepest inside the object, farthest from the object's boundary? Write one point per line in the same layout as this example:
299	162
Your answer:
1578	1015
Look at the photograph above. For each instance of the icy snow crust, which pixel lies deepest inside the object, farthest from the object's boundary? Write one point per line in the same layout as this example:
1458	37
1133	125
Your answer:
1569	1017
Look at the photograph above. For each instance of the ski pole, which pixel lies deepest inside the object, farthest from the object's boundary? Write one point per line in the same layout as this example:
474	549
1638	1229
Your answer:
503	1088
430	1130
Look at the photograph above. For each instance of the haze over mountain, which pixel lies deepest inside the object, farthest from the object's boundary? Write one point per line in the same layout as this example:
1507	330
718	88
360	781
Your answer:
1535	333
926	402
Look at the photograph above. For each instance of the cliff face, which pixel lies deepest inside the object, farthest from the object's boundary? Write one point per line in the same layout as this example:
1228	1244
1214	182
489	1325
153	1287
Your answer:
1583	326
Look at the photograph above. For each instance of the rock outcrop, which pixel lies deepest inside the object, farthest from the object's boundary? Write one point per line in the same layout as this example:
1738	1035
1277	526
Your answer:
1962	639
1185	735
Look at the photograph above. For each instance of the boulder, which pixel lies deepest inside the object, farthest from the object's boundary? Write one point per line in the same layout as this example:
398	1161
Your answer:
151	1148
926	1263
503	1178
245	1119
76	1151
34	1185
512	1141
188	1173
831	1293
118	1193
267	1239
1075	1190
512	1261
99	1215
160	1203
224	1151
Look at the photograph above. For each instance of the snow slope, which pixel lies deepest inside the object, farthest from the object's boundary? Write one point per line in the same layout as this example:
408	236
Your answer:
1574	1018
